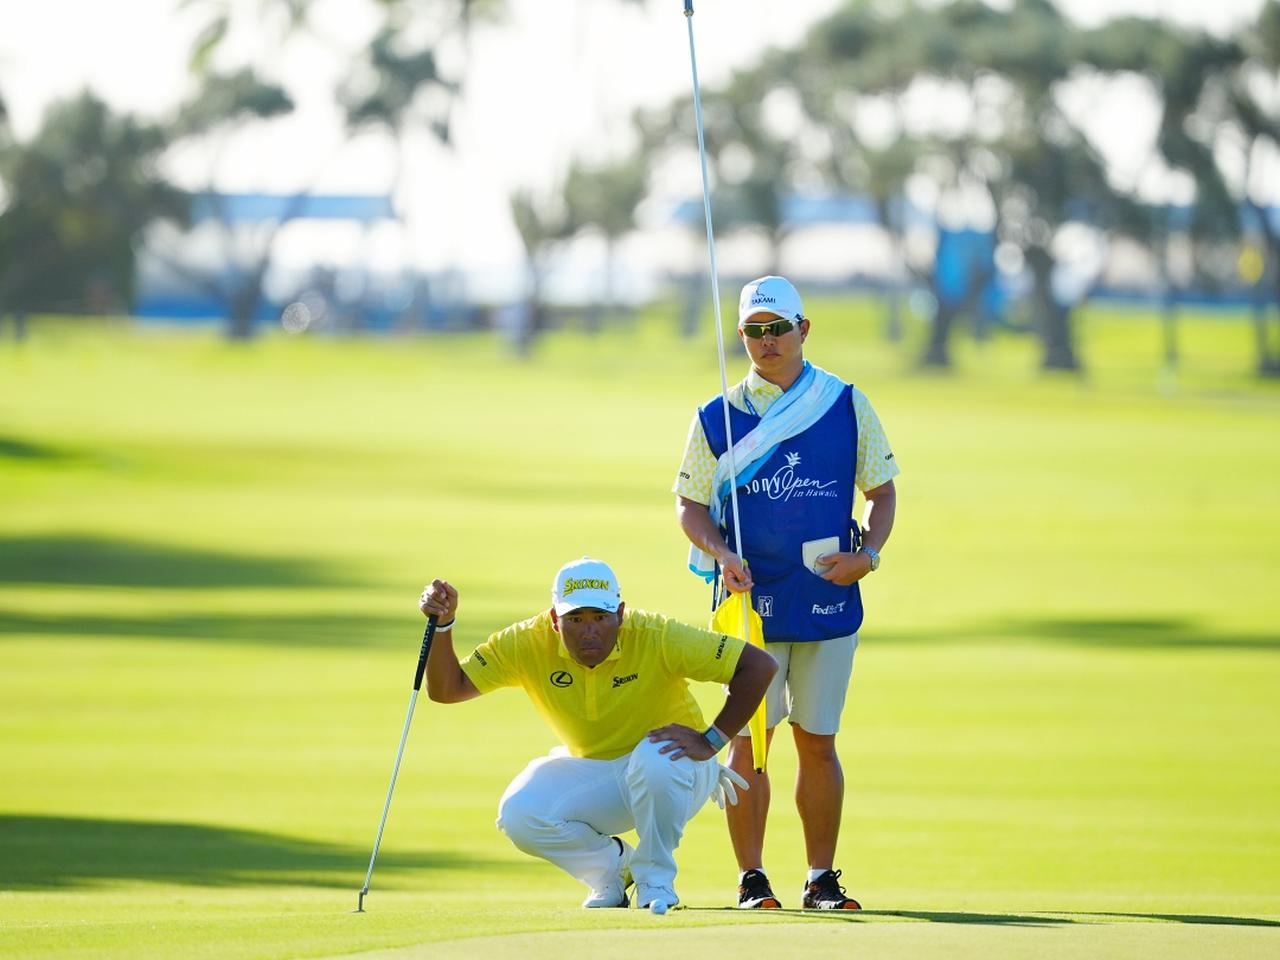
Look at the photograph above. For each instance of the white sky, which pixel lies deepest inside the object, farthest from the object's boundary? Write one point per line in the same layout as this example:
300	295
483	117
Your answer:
558	78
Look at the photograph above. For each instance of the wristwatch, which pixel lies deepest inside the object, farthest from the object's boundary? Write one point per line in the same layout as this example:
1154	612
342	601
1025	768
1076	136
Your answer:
874	555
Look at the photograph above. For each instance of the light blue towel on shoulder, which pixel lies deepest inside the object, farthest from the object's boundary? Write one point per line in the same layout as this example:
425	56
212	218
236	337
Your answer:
799	408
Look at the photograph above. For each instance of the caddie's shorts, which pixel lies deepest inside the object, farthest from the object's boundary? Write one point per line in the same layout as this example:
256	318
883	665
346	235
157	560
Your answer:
811	683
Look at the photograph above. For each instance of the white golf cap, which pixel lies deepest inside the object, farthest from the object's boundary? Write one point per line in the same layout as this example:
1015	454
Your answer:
770	295
585	583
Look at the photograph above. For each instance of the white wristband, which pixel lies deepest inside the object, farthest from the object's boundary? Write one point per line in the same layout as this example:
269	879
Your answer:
446	627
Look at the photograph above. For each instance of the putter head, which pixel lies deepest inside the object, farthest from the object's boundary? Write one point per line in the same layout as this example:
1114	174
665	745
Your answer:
360	902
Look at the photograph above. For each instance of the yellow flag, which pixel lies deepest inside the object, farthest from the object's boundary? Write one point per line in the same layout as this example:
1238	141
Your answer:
728	619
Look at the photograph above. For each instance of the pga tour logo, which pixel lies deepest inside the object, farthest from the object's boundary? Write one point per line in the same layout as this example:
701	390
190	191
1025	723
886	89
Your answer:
764	606
785	484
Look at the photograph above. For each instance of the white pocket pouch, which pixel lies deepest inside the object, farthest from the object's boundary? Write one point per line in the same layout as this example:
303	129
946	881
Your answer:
813	549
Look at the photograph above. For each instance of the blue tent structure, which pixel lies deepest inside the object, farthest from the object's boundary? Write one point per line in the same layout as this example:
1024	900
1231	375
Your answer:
254	208
179	297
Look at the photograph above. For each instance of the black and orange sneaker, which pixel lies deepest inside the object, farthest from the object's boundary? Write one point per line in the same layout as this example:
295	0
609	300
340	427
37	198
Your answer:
825	893
754	892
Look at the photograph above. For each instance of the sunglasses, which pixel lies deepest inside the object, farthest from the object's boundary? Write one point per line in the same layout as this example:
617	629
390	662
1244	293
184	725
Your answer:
775	329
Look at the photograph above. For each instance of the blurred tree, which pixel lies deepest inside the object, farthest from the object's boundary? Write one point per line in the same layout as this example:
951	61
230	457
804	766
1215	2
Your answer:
868	61
1178	64
76	200
1015	142
1041	171
407	78
223	105
1220	117
397	88
6	139
1055	177
1254	99
841	64
753	164
392	86
398	84
227	102
395	84
757	165
606	197
543	225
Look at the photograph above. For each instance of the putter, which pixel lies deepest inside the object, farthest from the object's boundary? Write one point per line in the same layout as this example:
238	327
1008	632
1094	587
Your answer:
404	735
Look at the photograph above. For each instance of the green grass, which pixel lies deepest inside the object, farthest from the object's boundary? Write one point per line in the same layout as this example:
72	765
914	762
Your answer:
1061	738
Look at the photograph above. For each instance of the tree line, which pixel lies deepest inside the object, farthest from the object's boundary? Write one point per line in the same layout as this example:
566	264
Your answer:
846	108
841	110
78	197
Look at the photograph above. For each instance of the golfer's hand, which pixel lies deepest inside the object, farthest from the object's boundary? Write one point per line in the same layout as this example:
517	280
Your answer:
440	600
728	783
681	741
736	576
844	568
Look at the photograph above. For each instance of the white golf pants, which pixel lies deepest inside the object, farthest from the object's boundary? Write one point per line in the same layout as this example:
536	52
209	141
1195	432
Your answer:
565	809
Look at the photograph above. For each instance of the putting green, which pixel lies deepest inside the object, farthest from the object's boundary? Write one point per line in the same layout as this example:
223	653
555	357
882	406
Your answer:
1060	738
1008	936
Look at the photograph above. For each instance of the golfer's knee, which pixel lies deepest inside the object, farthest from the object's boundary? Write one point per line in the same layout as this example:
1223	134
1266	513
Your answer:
521	820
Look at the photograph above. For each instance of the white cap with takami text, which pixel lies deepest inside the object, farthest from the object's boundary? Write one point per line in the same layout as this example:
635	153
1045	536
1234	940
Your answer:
770	295
585	583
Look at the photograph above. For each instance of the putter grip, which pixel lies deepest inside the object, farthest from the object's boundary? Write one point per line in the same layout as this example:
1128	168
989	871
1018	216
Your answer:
426	649
688	8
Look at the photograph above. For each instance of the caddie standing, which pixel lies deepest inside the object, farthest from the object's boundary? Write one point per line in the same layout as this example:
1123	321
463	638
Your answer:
637	754
804	442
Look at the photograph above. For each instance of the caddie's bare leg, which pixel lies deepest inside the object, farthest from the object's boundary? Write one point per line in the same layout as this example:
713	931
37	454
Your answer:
819	795
747	818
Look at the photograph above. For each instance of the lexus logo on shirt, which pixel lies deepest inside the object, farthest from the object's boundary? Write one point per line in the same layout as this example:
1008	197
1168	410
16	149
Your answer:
561	679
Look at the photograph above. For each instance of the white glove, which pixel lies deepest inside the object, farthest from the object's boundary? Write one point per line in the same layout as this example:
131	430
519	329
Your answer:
727	782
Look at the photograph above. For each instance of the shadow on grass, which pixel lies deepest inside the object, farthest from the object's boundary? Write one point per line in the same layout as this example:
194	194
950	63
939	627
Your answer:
864	916
96	561
1127	633
12	449
314	630
983	919
1057	919
1196	918
60	852
1048	919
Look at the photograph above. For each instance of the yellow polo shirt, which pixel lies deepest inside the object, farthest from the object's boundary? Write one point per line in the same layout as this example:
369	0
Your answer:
603	712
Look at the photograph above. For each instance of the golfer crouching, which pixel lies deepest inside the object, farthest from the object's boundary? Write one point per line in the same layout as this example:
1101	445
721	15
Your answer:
637	753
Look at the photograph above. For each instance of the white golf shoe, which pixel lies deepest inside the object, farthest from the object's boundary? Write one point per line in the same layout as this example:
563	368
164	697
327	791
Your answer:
614	893
655	899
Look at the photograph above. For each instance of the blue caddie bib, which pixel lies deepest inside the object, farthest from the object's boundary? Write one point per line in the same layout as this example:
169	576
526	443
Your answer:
804	491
